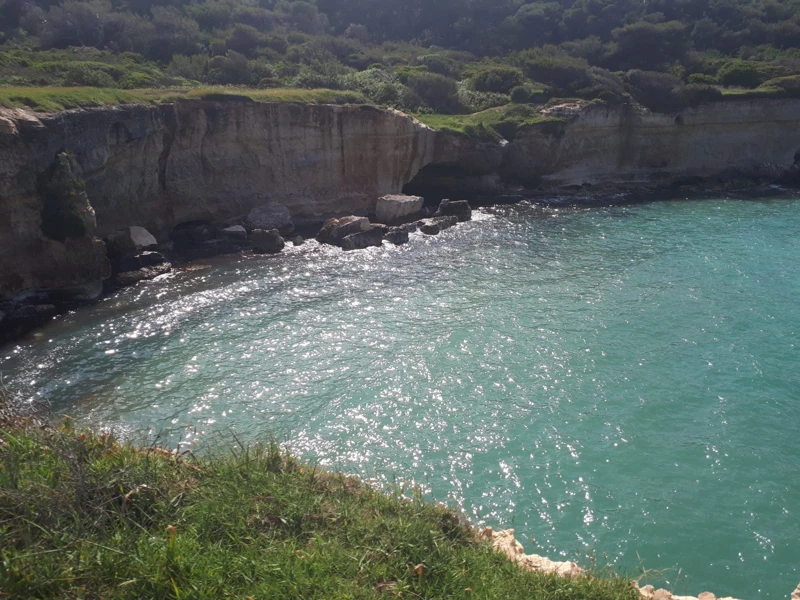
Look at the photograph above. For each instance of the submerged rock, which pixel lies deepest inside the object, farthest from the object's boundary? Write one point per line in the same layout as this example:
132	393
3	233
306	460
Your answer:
363	239
267	242
396	208
335	230
272	215
145	259
130	277
456	208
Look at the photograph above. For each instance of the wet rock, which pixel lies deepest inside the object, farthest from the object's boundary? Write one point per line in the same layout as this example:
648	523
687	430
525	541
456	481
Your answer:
272	215
130	277
267	242
145	259
130	240
396	208
796	593
16	321
455	208
434	225
410	227
298	240
363	239
234	232
396	236
335	230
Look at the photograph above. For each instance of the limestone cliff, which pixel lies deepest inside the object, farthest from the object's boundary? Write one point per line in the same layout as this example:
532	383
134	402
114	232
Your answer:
630	145
160	166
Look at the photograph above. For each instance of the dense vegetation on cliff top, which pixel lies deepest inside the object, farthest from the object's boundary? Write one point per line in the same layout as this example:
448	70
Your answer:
424	56
84	517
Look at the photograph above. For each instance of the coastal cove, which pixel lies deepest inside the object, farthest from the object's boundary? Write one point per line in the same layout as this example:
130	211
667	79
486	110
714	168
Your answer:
617	381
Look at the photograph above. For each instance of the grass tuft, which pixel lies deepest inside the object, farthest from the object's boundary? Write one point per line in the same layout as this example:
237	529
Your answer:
82	516
57	99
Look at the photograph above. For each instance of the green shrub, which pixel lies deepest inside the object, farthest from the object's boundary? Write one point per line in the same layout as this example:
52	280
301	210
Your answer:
659	92
520	94
744	73
86	76
136	80
474	101
436	91
440	64
697	94
701	79
499	80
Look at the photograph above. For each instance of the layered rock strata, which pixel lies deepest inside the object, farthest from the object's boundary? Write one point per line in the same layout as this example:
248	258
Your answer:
200	162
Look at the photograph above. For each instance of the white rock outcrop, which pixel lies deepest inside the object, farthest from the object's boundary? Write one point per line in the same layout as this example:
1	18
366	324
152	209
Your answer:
394	208
504	542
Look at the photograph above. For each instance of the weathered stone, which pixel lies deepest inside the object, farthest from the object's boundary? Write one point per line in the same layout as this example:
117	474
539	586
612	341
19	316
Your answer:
298	240
130	240
363	239
434	225
235	232
335	230
456	208
506	543
410	227
272	215
130	277
706	596
395	208
145	259
430	228
647	592
796	593
396	236
267	242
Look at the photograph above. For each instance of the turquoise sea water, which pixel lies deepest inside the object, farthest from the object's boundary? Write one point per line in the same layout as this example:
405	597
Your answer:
622	381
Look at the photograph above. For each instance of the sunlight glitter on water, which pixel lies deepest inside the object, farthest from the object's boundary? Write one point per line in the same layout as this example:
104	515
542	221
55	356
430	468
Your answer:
618	381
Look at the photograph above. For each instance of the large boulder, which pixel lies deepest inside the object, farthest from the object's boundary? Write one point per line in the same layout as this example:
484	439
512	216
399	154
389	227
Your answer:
396	236
397	208
272	215
335	230
130	240
267	242
363	239
455	208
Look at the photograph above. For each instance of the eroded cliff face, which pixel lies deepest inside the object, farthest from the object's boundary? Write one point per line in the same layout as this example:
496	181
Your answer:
164	165
160	166
628	145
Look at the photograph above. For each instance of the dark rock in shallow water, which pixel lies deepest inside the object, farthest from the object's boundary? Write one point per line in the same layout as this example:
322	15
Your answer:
298	240
434	225
455	208
16	321
130	277
363	239
397	236
145	259
267	242
335	230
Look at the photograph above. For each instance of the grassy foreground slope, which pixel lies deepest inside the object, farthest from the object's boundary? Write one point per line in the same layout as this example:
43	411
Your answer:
82	516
